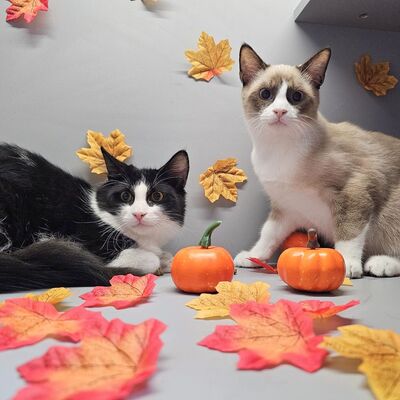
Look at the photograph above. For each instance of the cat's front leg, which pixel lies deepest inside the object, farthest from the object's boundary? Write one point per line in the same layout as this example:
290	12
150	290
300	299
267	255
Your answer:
350	241
273	233
166	261
139	260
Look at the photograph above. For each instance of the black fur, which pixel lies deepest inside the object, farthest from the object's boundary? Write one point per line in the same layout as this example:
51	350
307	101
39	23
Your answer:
38	198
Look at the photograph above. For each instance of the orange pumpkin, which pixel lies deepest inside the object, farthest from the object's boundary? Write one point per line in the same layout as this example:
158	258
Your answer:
312	269
199	269
295	239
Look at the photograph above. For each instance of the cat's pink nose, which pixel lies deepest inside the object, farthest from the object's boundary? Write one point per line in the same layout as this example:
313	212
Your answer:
139	216
280	112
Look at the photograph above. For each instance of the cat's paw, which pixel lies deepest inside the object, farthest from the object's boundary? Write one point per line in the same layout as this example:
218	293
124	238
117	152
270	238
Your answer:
242	259
382	266
166	261
353	268
139	260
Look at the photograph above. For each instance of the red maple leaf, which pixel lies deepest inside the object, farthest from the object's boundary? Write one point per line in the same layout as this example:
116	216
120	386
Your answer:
324	309
26	321
267	267
27	8
108	364
268	335
125	291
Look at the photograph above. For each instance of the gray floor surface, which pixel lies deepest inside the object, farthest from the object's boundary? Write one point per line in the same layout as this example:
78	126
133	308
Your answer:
189	371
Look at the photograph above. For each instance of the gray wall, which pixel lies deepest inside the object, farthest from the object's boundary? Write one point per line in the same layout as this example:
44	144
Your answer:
102	64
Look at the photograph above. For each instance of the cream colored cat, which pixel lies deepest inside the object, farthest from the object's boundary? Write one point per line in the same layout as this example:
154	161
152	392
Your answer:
338	178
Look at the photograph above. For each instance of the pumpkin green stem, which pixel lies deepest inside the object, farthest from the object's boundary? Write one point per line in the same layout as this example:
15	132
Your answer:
312	239
205	241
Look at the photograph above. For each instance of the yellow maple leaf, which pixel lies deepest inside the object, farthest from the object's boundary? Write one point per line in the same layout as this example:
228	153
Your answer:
218	305
374	77
53	296
379	351
347	282
220	180
211	59
113	144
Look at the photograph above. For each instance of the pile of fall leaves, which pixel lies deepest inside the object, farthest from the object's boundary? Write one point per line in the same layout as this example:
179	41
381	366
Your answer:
114	357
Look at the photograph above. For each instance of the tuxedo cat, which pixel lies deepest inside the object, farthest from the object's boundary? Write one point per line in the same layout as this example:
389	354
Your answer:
336	177
57	230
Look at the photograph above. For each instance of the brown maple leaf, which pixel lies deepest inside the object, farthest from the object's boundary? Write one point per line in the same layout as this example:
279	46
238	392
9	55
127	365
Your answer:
374	77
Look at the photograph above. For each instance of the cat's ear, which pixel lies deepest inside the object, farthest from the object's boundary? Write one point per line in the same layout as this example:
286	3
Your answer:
176	170
316	67
250	64
114	167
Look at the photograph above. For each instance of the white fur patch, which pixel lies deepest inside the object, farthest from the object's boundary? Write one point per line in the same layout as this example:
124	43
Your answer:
272	235
352	251
382	266
141	260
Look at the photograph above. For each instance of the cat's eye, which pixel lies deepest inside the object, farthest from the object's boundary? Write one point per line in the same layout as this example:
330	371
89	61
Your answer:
297	96
265	94
126	196
157	197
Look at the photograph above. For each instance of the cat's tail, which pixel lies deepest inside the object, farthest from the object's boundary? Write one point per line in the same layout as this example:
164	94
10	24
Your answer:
53	263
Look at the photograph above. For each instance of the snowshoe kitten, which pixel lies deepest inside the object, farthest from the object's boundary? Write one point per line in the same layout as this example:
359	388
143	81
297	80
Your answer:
336	177
57	230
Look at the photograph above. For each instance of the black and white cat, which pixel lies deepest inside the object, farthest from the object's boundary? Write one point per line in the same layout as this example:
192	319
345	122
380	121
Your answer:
57	230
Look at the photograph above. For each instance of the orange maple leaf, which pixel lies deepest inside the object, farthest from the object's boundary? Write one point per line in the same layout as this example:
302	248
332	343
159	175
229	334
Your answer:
324	309
25	321
211	59
374	77
106	365
125	291
268	335
114	144
27	8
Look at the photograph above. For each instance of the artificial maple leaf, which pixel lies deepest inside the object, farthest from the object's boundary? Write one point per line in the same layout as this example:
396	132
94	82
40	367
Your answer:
347	282
379	351
114	144
268	335
211	59
221	179
218	305
28	8
108	366
324	309
125	291
25	321
53	296
374	77
267	267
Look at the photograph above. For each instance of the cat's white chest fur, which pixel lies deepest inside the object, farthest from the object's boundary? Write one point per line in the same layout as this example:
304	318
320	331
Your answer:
300	204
